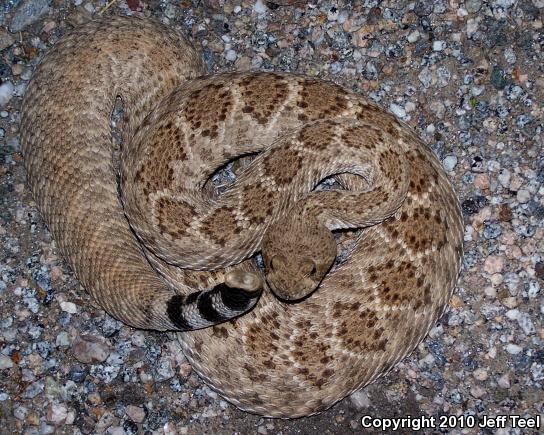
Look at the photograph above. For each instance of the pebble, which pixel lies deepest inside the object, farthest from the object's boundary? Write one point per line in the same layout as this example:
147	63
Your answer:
5	362
106	420
360	399
537	372
480	374
138	339
499	79
165	370
6	40
397	110
494	264
492	230
438	109
413	36
425	77
523	196
27	13
185	370
33	389
68	307
510	55
513	349
449	163
504	381
510	302
90	349
472	26
439	45
20	412
473	6
135	413
477	392
231	55
62	339
56	414
526	324
259	7
6	93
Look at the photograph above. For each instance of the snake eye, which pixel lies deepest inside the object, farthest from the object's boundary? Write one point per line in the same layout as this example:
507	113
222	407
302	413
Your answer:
276	262
308	267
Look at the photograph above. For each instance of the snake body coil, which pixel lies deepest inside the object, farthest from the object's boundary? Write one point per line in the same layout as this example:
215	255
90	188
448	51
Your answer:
167	254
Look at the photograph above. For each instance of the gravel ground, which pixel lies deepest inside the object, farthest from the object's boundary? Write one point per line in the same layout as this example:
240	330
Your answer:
468	76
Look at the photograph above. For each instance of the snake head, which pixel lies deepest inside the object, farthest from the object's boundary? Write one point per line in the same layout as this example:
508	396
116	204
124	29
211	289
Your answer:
297	254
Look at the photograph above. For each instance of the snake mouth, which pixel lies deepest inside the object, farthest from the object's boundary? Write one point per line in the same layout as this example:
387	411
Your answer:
293	295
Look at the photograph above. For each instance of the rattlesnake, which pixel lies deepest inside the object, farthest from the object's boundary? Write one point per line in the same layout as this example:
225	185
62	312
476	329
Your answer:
296	351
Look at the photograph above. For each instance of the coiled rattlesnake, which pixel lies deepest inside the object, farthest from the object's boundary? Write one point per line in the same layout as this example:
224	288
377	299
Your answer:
282	358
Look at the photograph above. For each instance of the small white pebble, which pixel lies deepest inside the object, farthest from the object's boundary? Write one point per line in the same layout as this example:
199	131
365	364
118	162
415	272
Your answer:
490	292
260	7
504	177
62	339
6	92
480	374
477	90
68	307
20	412
439	45
397	110
513	349
138	339
409	106
523	196
510	302
494	264
360	399
428	360
5	362
332	15
57	413
534	288
70	418
513	314
526	324
170	429
472	26
413	36
461	12
231	55
89	7
504	381
135	413
510	55
477	392
449	162
497	279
